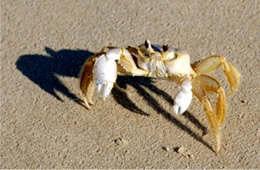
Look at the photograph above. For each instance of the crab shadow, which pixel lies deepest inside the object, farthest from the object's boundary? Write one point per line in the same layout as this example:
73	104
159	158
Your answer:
44	70
143	83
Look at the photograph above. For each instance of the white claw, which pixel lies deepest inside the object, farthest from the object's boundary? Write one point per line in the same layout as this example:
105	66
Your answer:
183	98
105	71
107	89
99	86
114	53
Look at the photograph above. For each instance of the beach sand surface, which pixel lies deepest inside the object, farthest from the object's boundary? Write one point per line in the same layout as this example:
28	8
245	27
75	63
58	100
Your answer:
44	43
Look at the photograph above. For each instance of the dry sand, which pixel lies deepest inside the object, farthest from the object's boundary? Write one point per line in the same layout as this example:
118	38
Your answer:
45	42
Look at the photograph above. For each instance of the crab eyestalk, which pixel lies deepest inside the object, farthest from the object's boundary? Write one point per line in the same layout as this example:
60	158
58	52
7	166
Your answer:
165	47
148	46
167	53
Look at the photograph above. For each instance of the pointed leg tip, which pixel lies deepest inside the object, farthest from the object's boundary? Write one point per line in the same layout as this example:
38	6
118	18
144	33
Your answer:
217	150
86	103
218	145
91	102
87	106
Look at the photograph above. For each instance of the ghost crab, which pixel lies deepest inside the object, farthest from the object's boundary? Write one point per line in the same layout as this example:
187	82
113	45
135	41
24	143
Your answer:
100	72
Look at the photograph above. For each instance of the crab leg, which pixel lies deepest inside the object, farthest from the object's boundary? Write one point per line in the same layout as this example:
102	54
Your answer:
212	63
199	92
87	85
209	84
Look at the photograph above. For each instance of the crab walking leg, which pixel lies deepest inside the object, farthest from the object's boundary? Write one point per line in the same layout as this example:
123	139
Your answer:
212	63
120	89
213	122
211	116
221	106
105	71
183	98
233	76
87	81
209	84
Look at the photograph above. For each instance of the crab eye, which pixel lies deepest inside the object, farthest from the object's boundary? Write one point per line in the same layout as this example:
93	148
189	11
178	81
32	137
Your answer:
165	47
147	44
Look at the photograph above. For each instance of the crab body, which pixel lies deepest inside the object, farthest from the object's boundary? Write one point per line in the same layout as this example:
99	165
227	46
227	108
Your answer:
101	70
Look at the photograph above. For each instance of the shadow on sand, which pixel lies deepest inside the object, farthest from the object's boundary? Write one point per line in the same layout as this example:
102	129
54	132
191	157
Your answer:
43	71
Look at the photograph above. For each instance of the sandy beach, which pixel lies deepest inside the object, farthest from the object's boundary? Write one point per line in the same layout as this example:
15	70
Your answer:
44	43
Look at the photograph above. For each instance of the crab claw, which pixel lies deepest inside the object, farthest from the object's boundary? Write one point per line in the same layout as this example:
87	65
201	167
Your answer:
183	98
105	71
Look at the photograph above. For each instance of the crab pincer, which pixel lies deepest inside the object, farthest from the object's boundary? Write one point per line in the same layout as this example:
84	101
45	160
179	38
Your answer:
183	98
105	71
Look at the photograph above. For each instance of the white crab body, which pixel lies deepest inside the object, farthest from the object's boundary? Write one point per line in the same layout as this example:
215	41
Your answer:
105	72
162	64
158	68
181	66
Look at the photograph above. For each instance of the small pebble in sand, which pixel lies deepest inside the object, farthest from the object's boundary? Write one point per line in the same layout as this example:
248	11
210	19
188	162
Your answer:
180	149
190	155
121	141
166	148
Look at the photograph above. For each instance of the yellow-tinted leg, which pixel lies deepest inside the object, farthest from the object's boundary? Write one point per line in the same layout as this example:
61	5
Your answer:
209	64
199	90
87	85
209	84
